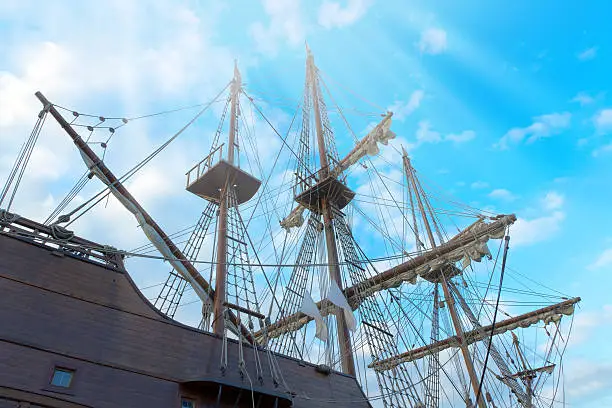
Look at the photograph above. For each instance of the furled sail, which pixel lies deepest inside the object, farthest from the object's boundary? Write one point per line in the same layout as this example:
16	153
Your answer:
546	315
368	145
149	231
471	244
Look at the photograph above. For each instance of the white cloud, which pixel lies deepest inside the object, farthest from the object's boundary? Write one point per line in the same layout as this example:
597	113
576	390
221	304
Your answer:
502	194
590	380
424	134
462	137
332	14
602	150
542	126
403	109
531	231
433	41
604	259
586	321
603	120
553	201
587	54
155	58
285	25
42	66
479	185
583	99
527	231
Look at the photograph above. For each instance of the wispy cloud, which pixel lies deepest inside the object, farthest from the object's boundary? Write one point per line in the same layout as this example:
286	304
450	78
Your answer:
583	98
586	322
531	231
603	259
542	126
402	109
285	25
590	379
587	54
528	231
553	200
425	134
603	120
477	185
332	14
502	194
602	150
433	41
462	137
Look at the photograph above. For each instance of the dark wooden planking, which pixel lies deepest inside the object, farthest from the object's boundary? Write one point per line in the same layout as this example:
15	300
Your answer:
57	274
64	308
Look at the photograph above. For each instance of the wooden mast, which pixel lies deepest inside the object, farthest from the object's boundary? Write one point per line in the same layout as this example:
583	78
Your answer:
86	150
447	295
344	338
527	375
221	268
112	180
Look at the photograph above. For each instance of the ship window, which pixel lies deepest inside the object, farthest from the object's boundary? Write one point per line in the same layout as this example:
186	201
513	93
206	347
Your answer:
187	403
62	377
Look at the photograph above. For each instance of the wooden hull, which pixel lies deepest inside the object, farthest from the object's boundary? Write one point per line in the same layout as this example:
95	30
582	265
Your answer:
59	310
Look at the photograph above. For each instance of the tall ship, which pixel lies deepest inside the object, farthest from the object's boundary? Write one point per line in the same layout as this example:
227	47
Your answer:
329	274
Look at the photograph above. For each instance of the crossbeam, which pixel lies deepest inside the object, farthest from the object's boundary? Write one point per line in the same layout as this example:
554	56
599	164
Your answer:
546	314
448	252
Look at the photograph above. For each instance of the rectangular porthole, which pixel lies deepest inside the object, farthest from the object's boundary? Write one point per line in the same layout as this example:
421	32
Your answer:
62	377
187	403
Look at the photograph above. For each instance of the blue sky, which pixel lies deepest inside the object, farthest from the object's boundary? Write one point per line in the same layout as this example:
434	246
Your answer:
505	106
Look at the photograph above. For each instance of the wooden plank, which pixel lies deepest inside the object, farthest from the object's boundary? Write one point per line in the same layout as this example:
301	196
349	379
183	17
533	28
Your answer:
53	316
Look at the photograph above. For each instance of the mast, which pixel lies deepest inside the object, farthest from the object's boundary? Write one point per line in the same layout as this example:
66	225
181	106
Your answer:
154	232
462	344
408	271
221	268
528	377
344	339
410	176
469	364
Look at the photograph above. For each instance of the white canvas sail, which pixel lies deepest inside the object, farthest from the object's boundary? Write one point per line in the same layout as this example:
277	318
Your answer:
336	296
309	307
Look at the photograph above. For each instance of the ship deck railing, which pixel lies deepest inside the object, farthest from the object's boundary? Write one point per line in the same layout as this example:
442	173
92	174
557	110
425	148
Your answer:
204	165
42	235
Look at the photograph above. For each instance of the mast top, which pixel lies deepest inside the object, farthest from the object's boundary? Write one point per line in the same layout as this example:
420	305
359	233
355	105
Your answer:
210	177
237	77
309	56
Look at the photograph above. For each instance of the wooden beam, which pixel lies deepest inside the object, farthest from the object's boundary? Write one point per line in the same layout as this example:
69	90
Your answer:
112	179
385	279
476	335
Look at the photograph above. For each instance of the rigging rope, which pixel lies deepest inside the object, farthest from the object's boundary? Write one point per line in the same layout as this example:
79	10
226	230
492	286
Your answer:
23	159
144	162
501	281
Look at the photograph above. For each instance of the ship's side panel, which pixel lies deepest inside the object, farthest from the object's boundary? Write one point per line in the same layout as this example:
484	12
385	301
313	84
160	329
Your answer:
31	369
58	311
50	270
